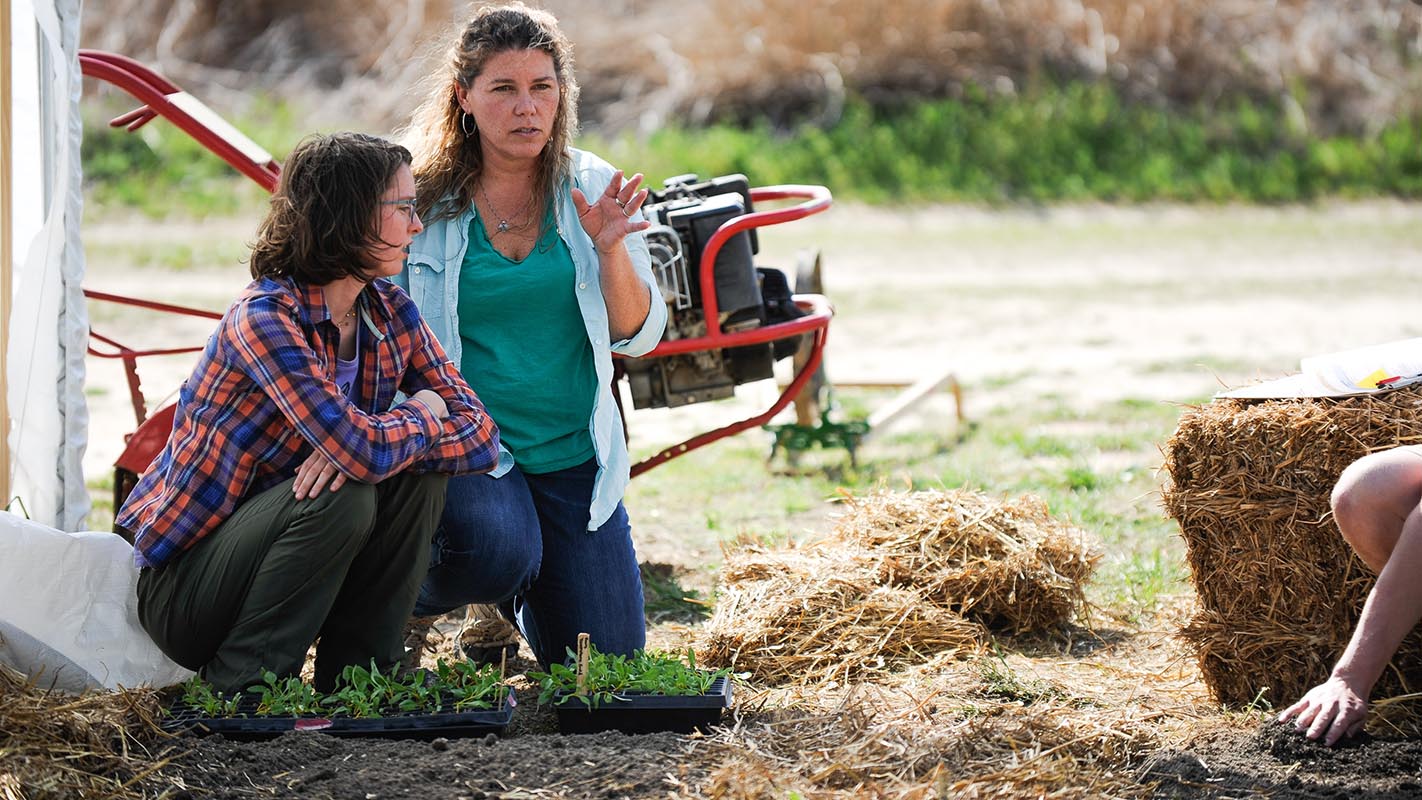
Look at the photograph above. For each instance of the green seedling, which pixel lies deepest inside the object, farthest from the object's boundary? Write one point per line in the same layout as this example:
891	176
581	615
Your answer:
288	697
198	695
360	693
610	677
471	685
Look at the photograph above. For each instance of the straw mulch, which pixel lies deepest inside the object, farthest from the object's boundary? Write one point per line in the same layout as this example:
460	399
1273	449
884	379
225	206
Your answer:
903	577
1279	589
1017	751
94	745
945	730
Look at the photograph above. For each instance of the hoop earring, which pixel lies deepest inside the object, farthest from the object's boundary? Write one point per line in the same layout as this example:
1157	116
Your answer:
467	123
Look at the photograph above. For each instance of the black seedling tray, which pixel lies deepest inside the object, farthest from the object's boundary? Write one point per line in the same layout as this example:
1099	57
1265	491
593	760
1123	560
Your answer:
396	725
646	713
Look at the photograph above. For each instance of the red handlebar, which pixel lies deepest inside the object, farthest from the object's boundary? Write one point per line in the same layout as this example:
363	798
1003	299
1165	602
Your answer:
157	94
817	199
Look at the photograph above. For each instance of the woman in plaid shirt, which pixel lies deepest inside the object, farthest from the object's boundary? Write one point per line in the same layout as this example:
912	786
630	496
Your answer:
295	501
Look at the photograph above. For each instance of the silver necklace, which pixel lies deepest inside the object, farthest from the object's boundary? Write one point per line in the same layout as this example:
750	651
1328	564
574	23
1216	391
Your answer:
504	225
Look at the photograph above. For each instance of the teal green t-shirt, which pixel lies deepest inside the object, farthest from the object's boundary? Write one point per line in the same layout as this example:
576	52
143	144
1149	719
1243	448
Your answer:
526	350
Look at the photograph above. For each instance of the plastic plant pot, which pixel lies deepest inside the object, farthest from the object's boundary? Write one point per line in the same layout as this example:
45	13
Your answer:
645	713
246	725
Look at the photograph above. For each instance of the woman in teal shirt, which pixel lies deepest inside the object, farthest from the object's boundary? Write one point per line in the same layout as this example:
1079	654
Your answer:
532	271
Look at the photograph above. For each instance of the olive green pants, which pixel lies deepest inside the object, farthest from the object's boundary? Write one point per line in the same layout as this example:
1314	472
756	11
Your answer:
342	569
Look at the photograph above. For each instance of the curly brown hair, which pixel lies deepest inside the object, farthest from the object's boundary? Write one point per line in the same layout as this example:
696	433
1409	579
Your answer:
447	162
324	218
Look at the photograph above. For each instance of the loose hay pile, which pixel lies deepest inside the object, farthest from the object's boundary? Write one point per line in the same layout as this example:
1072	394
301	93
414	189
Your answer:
902	578
1279	589
1006	563
58	745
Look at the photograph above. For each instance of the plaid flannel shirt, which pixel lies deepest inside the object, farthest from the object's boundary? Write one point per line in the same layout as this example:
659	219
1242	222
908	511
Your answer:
263	395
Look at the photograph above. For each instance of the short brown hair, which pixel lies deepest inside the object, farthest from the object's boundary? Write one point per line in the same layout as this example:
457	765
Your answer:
324	218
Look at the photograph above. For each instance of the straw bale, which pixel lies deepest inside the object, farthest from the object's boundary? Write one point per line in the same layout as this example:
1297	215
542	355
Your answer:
1004	562
816	613
95	745
1279	589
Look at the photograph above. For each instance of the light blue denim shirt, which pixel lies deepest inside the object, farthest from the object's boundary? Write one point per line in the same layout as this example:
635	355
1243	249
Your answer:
431	276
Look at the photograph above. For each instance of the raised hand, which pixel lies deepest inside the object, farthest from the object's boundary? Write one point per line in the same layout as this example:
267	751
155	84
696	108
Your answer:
608	219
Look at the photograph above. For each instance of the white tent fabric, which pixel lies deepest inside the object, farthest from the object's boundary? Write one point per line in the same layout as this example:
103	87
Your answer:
49	326
67	600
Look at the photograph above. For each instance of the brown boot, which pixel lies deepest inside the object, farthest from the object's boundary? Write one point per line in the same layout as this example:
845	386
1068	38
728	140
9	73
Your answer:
487	638
421	636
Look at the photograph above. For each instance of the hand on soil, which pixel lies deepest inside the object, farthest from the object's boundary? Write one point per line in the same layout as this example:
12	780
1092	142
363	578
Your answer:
1333	709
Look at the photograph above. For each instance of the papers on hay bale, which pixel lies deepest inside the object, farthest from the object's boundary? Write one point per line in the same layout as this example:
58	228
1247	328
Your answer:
903	577
1279	590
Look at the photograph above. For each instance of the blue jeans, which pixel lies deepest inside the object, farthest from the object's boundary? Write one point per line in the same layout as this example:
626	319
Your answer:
521	541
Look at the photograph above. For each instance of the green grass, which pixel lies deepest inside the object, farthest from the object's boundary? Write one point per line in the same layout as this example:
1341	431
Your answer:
667	600
1071	143
160	171
228	252
101	502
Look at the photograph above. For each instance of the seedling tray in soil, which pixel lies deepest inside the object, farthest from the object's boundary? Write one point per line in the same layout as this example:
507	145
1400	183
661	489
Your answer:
646	713
396	725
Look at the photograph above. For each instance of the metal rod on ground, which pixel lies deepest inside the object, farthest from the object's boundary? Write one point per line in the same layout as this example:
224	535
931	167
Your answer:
911	397
6	245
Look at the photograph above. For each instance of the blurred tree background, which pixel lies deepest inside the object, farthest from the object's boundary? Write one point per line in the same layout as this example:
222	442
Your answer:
957	100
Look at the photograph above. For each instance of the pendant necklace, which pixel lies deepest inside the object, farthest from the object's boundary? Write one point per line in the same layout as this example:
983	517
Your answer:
504	225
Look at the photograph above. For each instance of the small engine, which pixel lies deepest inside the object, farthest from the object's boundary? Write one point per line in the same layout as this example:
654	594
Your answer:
684	215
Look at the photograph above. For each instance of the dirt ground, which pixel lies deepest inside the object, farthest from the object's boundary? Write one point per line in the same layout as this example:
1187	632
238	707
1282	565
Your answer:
1089	304
1272	761
1266	762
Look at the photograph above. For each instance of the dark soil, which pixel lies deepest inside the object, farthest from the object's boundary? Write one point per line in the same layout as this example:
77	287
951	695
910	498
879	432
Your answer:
1275	761
522	763
531	760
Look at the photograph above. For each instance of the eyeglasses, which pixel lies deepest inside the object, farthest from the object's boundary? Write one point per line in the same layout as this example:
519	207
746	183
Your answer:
407	205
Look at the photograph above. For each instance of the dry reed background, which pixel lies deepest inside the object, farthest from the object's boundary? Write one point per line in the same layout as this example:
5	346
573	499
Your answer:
1279	590
644	63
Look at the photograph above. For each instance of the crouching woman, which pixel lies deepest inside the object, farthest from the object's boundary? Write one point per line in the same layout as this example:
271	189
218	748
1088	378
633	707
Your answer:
293	502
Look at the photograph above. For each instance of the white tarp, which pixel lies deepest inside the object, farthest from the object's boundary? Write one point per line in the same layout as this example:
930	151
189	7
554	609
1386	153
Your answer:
69	611
49	326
